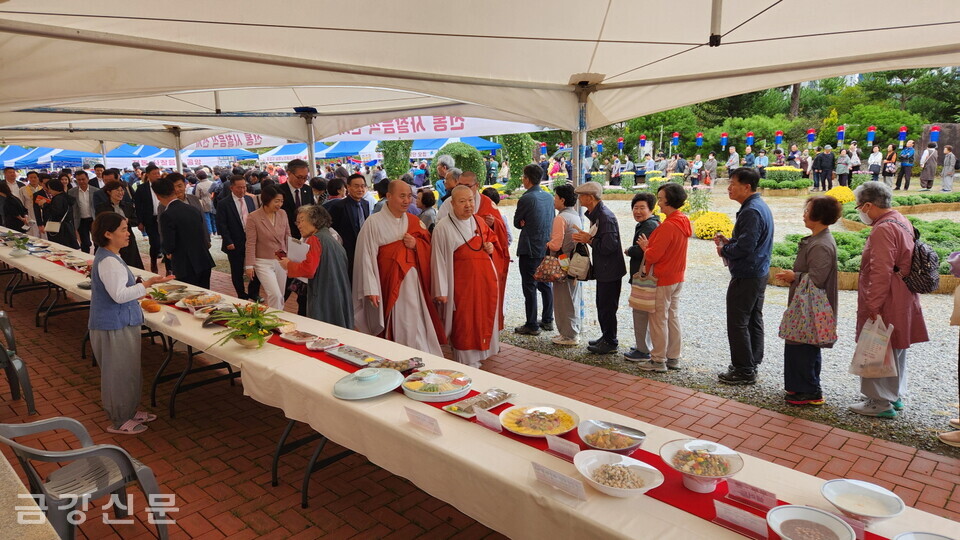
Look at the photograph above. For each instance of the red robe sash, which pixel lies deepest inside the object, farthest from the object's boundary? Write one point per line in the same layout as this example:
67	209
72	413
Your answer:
475	309
501	247
394	260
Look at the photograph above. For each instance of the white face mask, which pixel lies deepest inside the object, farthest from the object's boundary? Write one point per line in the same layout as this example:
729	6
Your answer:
867	220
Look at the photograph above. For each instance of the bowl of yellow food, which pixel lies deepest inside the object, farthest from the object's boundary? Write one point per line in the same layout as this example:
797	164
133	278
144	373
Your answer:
704	464
610	437
539	420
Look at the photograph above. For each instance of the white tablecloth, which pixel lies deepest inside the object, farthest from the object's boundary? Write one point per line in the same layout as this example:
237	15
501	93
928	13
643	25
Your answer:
485	475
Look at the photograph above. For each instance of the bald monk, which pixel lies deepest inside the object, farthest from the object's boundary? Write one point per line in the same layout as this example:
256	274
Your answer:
488	212
391	276
465	280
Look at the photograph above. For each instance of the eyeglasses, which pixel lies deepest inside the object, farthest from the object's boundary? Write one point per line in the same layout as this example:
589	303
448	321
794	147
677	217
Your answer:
859	206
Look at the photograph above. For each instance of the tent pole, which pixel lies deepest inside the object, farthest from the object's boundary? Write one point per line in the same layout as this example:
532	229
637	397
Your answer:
176	151
580	136
103	152
311	142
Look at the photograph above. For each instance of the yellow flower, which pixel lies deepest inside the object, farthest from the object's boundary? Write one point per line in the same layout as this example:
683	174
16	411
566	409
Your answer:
842	194
710	223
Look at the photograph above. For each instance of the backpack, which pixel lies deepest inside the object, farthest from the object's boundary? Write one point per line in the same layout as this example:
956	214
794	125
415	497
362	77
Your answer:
924	275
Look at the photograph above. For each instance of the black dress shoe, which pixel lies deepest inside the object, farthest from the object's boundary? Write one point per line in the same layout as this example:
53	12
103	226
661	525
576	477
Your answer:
602	347
526	331
595	341
737	378
546	326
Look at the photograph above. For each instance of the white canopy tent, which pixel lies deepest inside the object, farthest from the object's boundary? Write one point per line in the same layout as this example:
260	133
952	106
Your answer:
601	62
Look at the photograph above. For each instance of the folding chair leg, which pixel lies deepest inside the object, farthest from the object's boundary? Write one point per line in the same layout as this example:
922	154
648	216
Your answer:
24	376
148	483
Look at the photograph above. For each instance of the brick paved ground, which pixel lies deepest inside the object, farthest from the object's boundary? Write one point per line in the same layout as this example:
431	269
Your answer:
216	454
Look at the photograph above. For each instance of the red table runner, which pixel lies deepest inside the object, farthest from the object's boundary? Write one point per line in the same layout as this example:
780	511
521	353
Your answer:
671	492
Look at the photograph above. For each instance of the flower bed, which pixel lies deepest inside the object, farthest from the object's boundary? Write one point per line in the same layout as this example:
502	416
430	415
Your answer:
708	224
942	235
784	181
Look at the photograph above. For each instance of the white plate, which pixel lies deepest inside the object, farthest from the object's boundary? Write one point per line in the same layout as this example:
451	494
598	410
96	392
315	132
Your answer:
546	408
588	461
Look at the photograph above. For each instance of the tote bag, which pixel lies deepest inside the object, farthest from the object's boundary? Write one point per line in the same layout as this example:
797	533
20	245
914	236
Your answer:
809	319
580	263
643	291
549	270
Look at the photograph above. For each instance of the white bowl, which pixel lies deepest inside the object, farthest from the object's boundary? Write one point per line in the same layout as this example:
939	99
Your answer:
587	461
700	483
862	501
780	514
920	536
589	427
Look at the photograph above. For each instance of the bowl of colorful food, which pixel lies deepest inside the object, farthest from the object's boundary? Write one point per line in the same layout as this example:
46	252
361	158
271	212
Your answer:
539	420
795	522
437	385
703	463
615	474
610	437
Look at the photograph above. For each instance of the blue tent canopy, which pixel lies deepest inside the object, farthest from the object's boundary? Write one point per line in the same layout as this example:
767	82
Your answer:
124	151
12	152
53	158
436	144
29	159
348	148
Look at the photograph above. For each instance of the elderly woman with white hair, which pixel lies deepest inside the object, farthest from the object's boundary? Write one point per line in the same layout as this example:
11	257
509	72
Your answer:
883	293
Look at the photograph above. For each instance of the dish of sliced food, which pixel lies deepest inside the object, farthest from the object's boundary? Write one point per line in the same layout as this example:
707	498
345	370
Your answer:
399	365
467	408
539	420
201	300
298	337
322	344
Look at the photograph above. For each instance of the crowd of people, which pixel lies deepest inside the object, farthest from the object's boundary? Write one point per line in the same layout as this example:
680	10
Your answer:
427	265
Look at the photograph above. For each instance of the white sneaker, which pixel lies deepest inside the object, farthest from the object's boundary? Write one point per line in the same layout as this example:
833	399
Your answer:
565	341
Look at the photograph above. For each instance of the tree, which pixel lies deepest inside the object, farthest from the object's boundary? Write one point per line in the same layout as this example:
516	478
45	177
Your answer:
681	120
899	85
795	100
396	157
886	119
518	149
466	157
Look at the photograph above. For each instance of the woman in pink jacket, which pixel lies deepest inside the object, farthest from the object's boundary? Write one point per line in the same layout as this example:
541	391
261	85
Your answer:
882	292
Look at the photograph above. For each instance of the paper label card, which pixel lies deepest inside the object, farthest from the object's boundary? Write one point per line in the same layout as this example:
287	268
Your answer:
562	446
489	420
857	526
567	484
423	421
751	495
740	520
170	319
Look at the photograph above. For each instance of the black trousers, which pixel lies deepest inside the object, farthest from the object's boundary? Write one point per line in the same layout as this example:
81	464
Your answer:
801	368
83	229
745	323
904	172
608	300
153	232
528	265
236	258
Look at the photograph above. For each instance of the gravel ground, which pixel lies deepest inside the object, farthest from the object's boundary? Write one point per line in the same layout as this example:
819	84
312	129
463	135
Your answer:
932	397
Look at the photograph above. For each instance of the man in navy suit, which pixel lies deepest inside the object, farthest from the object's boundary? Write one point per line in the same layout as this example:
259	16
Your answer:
348	215
296	192
187	252
231	219
534	218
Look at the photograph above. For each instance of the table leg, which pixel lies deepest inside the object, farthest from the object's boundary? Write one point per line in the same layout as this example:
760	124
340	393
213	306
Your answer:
315	465
36	315
159	377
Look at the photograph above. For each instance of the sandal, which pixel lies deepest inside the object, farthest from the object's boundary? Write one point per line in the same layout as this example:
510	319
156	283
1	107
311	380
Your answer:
144	417
130	427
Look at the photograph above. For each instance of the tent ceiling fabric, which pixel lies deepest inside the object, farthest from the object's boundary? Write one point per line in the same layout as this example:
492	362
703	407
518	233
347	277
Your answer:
417	58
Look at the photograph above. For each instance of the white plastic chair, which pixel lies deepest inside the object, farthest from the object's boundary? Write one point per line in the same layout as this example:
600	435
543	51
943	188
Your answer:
13	365
94	470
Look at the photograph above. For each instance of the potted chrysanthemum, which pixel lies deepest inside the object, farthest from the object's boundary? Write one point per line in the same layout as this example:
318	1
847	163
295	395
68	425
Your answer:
250	325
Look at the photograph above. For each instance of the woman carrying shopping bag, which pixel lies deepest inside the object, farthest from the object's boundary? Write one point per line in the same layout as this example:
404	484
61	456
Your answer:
816	269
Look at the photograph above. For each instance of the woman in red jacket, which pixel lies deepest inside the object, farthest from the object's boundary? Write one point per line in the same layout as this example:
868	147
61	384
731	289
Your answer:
665	254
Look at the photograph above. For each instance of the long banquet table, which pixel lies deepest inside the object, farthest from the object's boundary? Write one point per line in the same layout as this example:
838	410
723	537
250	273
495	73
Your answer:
484	474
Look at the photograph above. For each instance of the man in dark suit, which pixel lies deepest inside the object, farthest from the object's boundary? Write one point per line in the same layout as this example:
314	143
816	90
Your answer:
10	176
231	219
296	192
534	218
348	215
187	251
146	205
97	180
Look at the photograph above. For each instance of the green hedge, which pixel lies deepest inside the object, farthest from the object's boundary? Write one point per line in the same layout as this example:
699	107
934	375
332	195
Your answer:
802	183
943	235
467	158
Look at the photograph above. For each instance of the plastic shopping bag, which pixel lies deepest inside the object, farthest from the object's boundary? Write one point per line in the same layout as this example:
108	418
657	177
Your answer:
873	357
